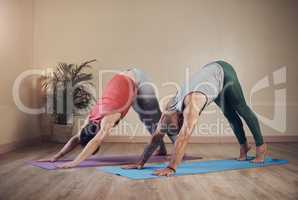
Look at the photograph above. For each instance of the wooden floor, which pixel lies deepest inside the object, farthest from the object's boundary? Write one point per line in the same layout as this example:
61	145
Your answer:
20	181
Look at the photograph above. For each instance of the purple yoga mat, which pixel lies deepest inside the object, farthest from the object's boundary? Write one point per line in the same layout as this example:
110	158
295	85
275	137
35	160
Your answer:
106	161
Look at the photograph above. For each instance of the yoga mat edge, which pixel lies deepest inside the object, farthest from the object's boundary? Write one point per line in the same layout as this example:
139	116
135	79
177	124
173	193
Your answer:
191	168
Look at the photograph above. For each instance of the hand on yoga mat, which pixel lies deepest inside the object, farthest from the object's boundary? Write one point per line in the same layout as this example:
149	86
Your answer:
133	166
68	165
164	172
52	159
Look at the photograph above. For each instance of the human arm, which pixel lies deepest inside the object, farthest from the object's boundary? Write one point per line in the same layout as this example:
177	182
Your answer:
193	106
107	124
155	141
68	147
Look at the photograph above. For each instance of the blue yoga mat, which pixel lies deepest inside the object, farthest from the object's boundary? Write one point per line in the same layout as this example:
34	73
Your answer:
202	167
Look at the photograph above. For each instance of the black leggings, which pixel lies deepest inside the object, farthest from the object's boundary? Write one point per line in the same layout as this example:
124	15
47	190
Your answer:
233	105
147	107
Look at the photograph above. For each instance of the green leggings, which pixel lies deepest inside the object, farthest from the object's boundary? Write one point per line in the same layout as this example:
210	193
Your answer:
233	105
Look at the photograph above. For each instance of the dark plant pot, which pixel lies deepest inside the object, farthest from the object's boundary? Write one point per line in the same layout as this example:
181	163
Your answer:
61	119
64	119
62	133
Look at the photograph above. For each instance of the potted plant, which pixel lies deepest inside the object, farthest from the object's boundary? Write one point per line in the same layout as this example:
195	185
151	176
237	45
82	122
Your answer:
68	93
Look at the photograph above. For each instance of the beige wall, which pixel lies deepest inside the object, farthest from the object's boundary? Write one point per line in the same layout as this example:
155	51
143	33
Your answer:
16	55
160	37
165	37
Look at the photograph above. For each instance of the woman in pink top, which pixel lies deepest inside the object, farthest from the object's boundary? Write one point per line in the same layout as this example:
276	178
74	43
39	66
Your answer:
122	91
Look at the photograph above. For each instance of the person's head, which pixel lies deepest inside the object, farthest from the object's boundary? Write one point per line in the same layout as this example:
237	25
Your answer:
88	133
171	122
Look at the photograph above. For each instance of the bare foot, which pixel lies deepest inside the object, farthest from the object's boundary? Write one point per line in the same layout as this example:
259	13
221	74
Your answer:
244	149
260	154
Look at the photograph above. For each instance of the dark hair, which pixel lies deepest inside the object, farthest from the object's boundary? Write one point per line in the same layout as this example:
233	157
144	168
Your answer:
171	123
88	133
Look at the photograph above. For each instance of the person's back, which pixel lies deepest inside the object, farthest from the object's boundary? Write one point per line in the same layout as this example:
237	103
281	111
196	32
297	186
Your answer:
208	80
117	96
